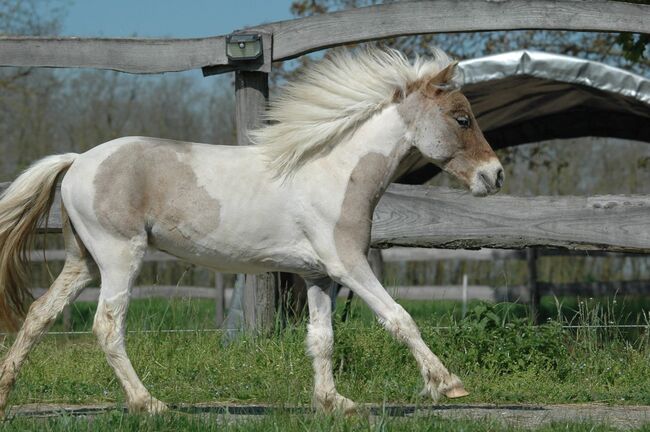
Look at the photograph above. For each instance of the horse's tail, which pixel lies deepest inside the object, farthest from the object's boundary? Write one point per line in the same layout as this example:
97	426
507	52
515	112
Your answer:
23	206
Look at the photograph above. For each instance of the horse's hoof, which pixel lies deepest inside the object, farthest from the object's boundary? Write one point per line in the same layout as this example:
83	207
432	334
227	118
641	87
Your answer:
345	406
156	407
150	405
335	404
456	392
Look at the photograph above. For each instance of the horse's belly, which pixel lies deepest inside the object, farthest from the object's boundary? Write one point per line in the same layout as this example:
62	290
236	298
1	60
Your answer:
232	255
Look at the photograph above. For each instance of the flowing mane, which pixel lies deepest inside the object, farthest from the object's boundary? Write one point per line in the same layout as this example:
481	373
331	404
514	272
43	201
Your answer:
331	98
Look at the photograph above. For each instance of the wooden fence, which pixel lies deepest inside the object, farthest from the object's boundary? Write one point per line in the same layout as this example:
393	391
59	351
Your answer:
406	216
534	287
421	216
436	217
222	294
289	39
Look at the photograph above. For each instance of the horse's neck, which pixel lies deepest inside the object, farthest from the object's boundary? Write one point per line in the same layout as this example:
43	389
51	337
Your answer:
368	160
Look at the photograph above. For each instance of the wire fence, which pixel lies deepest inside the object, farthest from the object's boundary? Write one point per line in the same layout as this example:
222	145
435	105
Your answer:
220	330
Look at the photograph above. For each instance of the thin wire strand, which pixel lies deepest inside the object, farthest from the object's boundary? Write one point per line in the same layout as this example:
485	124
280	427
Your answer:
215	330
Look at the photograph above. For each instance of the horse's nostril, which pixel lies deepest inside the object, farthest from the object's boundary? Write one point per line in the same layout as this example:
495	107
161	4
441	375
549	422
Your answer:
485	179
499	181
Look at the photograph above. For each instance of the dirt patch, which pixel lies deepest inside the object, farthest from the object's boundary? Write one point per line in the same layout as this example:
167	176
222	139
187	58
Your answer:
533	416
522	416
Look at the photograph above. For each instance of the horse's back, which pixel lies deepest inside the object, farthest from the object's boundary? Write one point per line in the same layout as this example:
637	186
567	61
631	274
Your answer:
192	200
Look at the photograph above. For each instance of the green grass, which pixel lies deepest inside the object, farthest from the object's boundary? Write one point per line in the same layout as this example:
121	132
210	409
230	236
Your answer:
499	355
281	421
495	350
157	314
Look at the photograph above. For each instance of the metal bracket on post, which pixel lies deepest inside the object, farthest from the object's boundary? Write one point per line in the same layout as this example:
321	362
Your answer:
249	50
241	47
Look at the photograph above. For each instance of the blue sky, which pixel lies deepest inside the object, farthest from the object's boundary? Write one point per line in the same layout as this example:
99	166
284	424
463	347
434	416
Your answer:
169	18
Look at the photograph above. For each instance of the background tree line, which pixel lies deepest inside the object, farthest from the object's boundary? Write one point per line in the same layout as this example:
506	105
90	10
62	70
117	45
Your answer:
45	111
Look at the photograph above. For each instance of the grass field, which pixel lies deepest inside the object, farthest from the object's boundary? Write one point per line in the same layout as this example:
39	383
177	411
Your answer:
499	355
118	421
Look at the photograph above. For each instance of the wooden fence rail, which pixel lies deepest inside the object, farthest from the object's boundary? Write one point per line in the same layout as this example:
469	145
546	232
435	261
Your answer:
423	216
629	287
300	36
398	254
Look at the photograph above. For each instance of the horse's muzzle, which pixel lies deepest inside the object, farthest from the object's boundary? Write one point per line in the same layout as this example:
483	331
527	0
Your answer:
488	178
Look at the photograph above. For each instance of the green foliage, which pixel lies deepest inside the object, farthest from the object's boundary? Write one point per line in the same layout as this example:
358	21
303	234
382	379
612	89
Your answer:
634	45
491	337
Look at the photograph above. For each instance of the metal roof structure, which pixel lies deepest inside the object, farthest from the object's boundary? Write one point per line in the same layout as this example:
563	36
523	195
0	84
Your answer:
526	96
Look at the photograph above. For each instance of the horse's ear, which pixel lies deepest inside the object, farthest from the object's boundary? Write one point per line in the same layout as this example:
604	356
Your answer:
442	81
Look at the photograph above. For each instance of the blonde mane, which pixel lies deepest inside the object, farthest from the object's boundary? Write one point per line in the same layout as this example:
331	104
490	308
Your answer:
333	97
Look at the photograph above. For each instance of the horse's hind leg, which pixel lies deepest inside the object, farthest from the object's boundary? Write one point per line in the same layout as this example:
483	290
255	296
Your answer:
320	343
119	262
77	273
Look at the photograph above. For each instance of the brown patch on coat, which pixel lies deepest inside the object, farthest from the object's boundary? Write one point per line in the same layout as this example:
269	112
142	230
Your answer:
367	183
147	185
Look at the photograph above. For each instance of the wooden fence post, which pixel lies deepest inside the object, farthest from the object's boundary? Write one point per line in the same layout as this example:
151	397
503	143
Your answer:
258	300
219	298
533	286
67	318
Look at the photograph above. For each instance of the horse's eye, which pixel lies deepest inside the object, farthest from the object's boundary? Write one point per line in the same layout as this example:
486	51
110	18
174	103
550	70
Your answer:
463	121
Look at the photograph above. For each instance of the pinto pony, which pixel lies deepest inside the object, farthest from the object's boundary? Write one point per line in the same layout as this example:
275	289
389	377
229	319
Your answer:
301	201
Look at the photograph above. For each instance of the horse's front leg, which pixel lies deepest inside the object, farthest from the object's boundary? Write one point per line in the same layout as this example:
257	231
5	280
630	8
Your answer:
358	276
320	344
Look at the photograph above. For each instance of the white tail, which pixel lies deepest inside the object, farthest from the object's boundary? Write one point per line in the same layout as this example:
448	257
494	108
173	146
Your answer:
22	206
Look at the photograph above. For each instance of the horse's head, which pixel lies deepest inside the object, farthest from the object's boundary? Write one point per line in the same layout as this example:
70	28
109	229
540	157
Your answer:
442	127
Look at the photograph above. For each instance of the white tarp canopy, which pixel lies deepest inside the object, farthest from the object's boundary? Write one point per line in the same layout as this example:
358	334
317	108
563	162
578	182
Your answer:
525	96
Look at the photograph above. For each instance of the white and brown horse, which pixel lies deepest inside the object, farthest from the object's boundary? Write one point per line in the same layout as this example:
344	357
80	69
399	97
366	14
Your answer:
300	201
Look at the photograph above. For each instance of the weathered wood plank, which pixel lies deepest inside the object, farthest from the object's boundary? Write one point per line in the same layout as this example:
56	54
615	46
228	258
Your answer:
437	292
300	36
533	285
297	37
219	299
422	216
424	292
401	254
251	95
395	254
592	289
152	255
140	56
146	291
